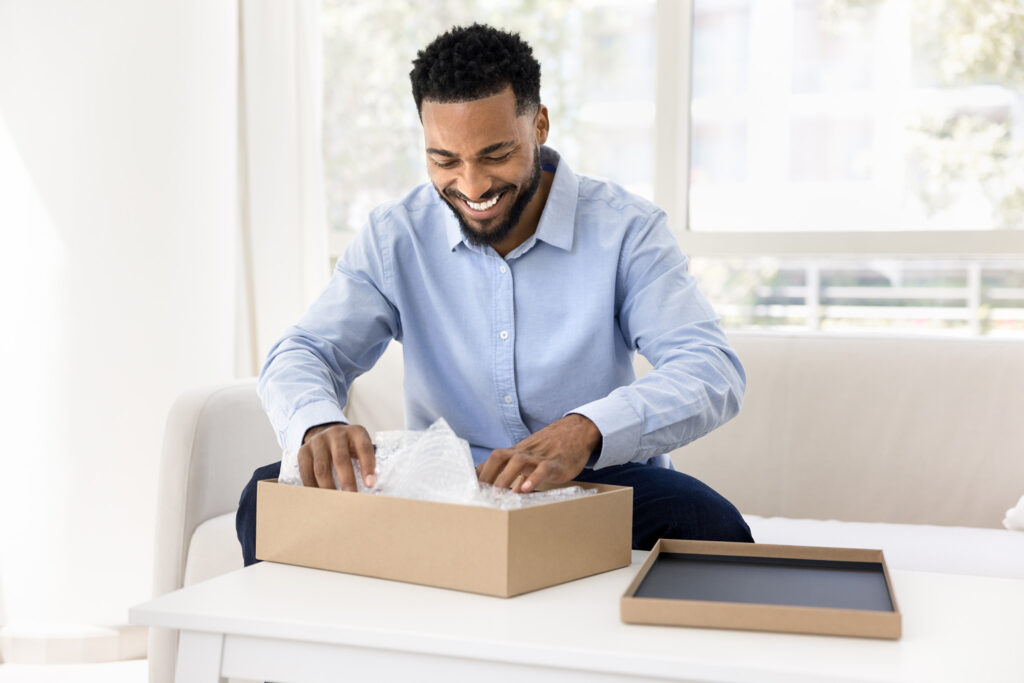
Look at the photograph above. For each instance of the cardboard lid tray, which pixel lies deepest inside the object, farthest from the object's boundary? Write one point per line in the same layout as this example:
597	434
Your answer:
798	589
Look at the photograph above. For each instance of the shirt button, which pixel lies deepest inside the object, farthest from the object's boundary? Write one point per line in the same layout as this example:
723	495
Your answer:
508	399
504	334
503	269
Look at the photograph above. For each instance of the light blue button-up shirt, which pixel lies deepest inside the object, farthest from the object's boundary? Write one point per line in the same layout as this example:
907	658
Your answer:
502	347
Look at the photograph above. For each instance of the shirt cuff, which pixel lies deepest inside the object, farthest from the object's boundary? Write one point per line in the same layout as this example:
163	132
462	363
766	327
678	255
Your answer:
620	430
310	415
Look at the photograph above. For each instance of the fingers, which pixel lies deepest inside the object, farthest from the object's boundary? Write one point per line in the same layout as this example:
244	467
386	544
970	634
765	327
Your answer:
361	448
341	460
315	462
322	463
494	464
329	453
541	474
306	465
510	476
500	468
521	471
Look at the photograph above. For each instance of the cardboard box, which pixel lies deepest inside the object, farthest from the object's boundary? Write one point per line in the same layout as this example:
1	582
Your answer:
475	549
795	589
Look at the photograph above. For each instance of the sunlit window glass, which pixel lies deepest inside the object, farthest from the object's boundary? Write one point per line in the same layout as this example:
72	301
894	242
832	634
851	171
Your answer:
857	115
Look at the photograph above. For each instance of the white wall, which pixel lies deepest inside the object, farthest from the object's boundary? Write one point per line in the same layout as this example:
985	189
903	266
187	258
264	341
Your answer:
118	188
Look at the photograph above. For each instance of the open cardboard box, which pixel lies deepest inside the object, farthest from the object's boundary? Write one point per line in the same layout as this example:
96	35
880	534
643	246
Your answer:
469	548
796	589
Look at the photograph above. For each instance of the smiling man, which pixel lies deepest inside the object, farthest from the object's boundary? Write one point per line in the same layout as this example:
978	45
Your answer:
519	291
495	191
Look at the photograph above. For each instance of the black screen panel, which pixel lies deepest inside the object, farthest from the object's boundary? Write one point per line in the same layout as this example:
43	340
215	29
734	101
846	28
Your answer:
768	581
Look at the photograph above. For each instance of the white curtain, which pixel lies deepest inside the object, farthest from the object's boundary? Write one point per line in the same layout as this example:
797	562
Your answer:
283	230
282	254
118	214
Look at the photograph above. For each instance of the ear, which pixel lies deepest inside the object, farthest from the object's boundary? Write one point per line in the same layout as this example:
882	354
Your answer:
541	124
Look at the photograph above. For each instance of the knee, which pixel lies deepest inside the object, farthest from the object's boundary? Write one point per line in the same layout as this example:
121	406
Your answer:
732	526
721	521
248	498
698	512
245	517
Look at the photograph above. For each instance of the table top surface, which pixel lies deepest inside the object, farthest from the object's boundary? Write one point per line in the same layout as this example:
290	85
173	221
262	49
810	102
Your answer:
955	627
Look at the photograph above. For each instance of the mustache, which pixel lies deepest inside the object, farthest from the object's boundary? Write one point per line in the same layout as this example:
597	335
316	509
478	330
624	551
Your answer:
490	194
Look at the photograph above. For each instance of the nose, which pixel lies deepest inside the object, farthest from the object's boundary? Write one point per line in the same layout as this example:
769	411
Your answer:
474	183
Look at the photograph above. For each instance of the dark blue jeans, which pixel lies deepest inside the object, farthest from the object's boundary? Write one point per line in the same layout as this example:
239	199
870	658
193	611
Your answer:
666	504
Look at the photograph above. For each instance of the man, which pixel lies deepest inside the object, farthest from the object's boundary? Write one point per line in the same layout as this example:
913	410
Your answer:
519	292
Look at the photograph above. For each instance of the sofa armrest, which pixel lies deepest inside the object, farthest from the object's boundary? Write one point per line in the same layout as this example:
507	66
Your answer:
214	438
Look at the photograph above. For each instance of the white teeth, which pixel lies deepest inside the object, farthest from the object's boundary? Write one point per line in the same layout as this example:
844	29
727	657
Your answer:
483	206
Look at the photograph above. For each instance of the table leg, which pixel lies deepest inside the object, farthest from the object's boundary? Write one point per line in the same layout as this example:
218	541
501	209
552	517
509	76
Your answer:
199	657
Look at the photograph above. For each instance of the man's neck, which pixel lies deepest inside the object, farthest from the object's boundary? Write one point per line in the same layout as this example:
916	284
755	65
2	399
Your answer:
530	219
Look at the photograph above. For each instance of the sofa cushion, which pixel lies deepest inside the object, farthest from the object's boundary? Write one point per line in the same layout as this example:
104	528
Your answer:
871	429
918	547
213	550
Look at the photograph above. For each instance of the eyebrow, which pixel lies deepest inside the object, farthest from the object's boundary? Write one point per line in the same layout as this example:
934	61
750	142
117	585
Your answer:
483	152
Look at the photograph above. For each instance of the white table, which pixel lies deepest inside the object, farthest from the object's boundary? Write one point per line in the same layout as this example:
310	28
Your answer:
290	624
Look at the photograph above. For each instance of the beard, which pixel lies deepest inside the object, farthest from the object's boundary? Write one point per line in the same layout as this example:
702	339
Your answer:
485	238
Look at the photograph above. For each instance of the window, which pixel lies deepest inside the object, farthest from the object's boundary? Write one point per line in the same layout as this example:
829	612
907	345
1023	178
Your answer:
829	164
839	139
857	115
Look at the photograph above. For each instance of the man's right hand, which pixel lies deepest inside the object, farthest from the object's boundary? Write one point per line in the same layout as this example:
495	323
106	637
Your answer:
331	448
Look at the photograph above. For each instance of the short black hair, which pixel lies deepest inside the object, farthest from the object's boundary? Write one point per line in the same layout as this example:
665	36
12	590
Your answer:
471	62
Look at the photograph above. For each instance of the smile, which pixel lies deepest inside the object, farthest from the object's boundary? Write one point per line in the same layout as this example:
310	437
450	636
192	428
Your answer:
486	209
483	206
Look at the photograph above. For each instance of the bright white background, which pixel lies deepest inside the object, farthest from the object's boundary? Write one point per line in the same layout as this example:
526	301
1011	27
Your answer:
118	196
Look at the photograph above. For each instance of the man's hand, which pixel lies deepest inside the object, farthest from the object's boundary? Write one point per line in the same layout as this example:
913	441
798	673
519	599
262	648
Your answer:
554	455
332	447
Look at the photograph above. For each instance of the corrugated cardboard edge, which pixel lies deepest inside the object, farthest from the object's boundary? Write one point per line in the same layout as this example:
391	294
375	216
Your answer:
815	620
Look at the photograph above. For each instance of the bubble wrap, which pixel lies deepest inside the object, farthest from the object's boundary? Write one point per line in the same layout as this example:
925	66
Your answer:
434	465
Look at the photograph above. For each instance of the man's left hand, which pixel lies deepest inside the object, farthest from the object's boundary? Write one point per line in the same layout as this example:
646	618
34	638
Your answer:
553	455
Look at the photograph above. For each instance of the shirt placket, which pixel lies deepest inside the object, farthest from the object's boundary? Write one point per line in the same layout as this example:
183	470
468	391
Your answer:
503	333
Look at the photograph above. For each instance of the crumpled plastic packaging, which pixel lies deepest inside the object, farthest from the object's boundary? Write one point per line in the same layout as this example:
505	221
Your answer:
434	465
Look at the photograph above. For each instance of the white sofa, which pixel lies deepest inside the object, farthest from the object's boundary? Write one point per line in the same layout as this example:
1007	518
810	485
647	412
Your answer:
911	445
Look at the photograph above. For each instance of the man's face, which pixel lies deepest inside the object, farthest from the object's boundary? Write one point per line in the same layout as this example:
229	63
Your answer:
484	160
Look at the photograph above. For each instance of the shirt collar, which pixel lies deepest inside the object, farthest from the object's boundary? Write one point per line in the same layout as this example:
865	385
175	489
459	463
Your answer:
451	227
557	220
